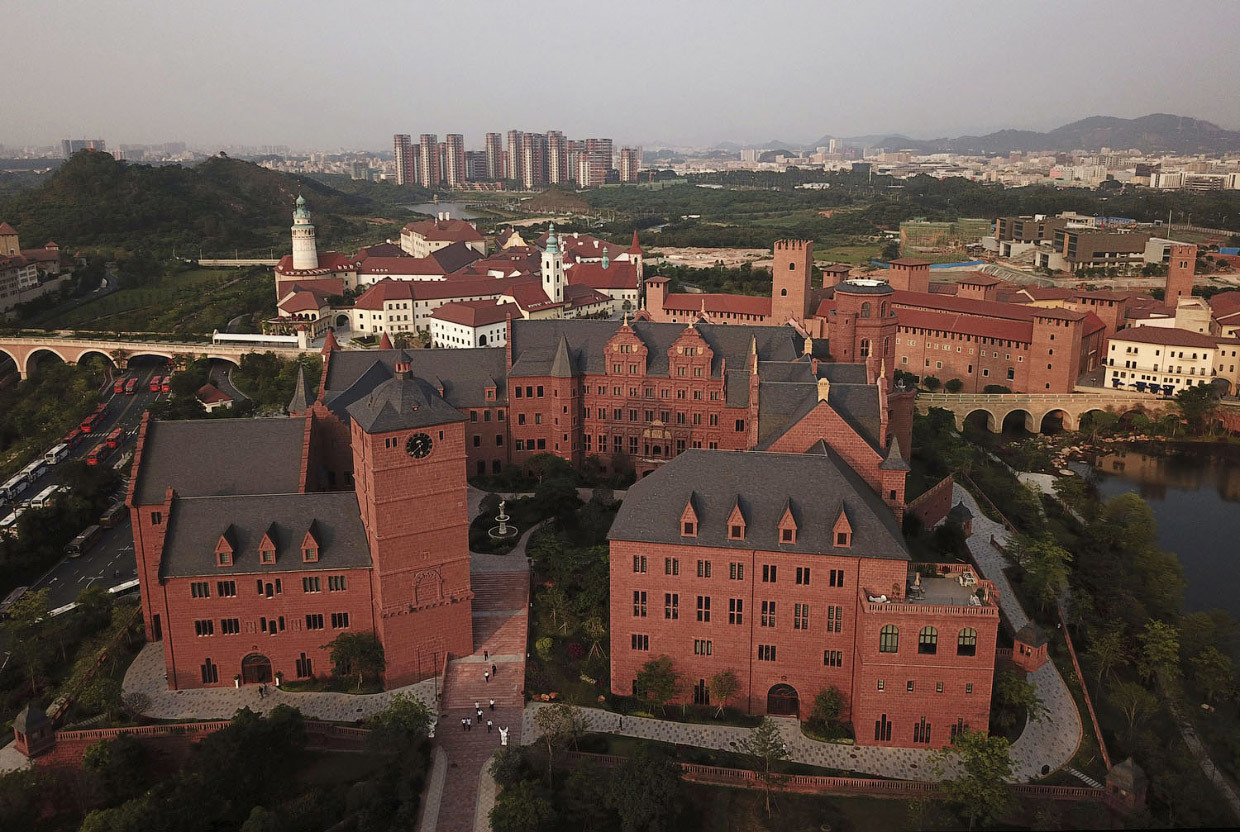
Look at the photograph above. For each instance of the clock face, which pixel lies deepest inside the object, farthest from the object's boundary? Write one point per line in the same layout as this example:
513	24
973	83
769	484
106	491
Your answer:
418	446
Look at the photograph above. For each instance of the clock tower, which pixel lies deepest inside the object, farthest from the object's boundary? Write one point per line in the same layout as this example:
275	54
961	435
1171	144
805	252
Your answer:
409	467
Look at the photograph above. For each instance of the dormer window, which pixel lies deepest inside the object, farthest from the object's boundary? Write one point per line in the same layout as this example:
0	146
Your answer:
224	548
736	532
787	536
689	529
310	545
787	525
224	558
842	531
842	538
689	519
267	555
310	555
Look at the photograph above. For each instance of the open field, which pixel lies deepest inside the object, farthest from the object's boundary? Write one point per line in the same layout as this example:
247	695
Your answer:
704	258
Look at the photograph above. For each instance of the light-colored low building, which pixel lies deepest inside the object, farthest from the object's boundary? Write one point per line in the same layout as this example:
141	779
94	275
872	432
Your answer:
469	324
1164	361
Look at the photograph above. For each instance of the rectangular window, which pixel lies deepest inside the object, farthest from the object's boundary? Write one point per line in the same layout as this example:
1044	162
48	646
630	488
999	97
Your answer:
210	672
340	621
226	589
802	576
639	604
204	627
639	563
703	568
200	589
909	686
968	688
304	668
881	684
736	611
766	652
835	658
768	573
671	566
310	584
314	621
641	642
337	583
938	687
800	617
740	425
156	518
702	647
837	577
703	608
768	614
835	618
736	571
671	605
230	626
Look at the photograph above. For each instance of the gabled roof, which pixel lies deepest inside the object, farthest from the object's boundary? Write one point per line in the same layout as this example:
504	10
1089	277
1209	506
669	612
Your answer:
451	230
452	258
402	404
616	276
475	313
302	397
1166	336
210	394
465	374
765	485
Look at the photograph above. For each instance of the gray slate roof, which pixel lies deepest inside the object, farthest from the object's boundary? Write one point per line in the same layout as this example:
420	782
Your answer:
814	485
195	526
302	396
843	373
402	404
465	374
210	458
782	404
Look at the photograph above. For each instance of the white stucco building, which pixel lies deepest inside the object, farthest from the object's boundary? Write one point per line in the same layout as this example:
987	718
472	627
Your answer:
1164	361
471	324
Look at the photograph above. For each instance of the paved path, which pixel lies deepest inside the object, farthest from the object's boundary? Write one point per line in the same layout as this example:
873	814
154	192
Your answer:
1202	755
146	675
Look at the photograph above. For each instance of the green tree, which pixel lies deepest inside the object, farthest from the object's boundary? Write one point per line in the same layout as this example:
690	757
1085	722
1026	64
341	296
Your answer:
767	747
1134	702
522	807
1213	671
981	792
406	721
27	631
557	497
118	766
723	686
555	602
1046	564
1107	651
1160	650
954	385
1016	695
508	766
596	632
657	681
102	694
891	250
828	705
1197	405
359	654
931	383
646	792
549	466
560	724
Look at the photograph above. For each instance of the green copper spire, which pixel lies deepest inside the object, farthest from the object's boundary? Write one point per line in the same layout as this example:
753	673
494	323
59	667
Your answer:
606	260
553	246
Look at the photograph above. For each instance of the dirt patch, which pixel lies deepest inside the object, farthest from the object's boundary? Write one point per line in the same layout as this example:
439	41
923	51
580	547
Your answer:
704	258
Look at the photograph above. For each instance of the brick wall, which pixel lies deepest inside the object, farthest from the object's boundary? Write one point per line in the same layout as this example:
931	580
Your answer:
932	505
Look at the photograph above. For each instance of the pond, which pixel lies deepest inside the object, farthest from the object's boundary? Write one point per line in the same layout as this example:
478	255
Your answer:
1194	492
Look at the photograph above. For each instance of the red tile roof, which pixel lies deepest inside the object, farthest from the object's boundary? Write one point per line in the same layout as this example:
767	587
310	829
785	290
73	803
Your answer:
7	229
577	295
301	301
980	279
719	304
475	313
584	246
616	276
1168	336
326	286
210	394
450	230
946	321
528	294
1224	303
980	308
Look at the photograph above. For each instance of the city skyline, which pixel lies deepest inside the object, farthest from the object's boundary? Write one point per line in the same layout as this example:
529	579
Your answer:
689	75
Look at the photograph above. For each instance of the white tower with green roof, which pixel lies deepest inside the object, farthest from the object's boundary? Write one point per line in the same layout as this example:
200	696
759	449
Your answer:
553	268
305	253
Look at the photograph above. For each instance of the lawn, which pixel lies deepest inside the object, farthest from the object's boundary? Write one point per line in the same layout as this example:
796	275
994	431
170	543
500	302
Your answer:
193	301
851	254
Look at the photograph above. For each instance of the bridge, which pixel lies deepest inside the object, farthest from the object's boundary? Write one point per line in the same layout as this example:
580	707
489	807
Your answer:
1036	408
27	350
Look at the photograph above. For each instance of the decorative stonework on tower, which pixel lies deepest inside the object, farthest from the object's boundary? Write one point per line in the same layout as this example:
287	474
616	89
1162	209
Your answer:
305	254
553	268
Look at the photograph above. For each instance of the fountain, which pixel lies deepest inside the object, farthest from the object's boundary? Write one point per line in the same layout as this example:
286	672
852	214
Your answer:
503	531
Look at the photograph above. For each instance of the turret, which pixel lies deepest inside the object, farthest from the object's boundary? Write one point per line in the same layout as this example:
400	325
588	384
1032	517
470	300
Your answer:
553	268
305	253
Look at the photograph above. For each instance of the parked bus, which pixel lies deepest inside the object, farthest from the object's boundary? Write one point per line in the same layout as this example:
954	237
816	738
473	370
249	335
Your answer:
118	386
114	439
113	516
72	438
131	386
90	421
8	525
34	470
45	497
156	382
13	487
165	386
98	454
82	543
56	454
11	599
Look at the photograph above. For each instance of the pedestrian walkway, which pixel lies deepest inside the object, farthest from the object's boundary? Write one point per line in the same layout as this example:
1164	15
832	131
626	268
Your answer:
147	676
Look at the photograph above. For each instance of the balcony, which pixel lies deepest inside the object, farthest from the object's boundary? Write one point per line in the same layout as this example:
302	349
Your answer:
955	589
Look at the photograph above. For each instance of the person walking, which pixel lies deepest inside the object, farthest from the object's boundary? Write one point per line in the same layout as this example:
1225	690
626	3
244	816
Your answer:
486	674
492	704
494	670
486	656
462	723
489	724
469	724
476	706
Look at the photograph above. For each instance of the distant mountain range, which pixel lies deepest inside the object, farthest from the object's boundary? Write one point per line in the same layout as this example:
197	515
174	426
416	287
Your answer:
1155	133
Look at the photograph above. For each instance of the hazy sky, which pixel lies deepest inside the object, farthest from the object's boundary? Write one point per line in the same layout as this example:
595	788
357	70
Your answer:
350	73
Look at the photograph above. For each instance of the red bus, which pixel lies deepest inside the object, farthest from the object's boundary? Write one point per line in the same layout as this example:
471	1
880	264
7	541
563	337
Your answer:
118	386
73	437
88	423
166	385
155	383
131	386
97	454
113	439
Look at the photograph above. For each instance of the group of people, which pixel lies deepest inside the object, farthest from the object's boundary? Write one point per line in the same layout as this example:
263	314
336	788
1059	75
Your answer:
467	723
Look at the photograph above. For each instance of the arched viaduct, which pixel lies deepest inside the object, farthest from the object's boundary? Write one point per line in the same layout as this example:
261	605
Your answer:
27	350
1035	408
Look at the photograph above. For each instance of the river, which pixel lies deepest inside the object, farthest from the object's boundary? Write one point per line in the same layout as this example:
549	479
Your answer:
457	210
1194	492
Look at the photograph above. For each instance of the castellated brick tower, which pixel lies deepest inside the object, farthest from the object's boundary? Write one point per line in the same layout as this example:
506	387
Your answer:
909	275
409	458
790	289
1180	274
863	325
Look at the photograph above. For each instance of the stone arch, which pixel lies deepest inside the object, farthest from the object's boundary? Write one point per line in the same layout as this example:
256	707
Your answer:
149	353
1058	416
31	359
91	351
991	423
782	700
1025	420
342	321
4	353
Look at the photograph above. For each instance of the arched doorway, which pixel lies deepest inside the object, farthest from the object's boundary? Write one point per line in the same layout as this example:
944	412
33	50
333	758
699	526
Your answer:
342	321
255	669
782	700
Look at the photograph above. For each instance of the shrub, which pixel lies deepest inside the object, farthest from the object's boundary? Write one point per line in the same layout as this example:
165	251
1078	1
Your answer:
954	386
931	383
543	648
576	651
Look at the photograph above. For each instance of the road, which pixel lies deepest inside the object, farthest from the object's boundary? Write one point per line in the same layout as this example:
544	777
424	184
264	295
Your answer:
111	560
222	379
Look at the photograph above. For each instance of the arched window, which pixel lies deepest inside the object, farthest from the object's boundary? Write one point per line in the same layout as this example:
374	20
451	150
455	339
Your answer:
482	340
889	639
783	292
792	266
966	643
883	310
928	641
865	347
865	309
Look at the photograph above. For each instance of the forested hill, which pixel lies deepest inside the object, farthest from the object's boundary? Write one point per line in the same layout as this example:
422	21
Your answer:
221	204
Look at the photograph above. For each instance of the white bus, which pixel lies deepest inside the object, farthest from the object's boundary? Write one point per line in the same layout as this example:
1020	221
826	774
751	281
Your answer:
56	454
44	498
8	525
34	470
13	487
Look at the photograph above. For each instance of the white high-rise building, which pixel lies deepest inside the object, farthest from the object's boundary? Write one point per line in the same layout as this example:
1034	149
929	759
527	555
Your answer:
305	252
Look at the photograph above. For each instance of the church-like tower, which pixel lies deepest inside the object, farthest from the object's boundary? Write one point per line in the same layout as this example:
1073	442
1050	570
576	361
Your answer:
553	268
305	254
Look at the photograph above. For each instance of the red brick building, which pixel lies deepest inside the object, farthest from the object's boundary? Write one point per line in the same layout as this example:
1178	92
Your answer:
789	570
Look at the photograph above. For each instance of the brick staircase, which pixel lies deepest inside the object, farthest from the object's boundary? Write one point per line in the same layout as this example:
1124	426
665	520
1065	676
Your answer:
500	611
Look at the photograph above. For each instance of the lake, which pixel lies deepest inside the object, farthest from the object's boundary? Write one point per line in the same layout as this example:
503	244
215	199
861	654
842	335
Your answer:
1194	492
457	210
